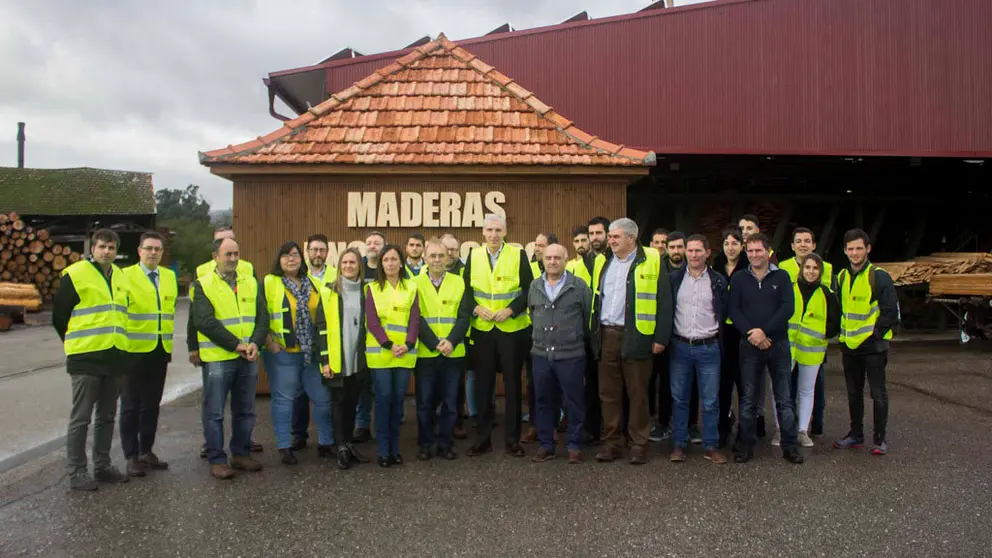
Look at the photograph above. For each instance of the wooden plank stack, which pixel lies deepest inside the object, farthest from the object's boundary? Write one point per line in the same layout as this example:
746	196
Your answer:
29	256
966	284
924	268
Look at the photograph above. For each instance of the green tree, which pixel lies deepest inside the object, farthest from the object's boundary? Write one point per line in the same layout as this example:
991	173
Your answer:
186	214
182	204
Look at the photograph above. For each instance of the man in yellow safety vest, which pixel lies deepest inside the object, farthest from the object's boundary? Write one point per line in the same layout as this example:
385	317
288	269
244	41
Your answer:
151	314
89	315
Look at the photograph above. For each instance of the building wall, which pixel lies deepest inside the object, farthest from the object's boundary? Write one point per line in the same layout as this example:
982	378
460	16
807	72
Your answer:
269	210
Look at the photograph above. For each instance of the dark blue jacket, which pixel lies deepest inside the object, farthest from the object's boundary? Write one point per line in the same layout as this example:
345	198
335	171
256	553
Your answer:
718	284
766	305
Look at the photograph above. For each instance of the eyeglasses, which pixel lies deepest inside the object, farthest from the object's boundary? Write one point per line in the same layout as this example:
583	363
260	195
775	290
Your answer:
291	255
317	250
151	248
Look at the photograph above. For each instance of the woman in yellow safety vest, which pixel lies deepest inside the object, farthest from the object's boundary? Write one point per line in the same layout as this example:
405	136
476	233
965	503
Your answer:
292	348
816	319
392	320
343	363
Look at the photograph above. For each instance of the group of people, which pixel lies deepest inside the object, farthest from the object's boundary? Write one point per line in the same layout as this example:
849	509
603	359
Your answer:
622	344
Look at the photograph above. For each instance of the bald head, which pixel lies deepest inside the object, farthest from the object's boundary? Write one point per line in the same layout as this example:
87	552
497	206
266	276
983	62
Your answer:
555	256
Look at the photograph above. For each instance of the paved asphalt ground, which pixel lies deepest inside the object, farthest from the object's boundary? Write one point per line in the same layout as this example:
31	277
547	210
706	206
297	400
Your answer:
929	497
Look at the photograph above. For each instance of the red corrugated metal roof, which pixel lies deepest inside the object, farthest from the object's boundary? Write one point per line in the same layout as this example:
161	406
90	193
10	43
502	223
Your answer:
844	77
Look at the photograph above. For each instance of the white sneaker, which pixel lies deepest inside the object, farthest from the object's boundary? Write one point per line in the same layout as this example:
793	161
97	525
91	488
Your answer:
777	439
804	440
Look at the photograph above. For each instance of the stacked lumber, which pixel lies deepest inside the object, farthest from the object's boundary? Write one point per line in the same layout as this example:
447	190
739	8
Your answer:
22	295
29	256
965	284
924	268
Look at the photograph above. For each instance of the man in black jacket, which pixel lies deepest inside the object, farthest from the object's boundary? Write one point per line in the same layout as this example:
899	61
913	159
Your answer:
761	303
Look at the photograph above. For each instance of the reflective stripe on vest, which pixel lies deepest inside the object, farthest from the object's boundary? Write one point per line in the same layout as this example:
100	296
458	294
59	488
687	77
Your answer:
439	308
278	305
859	313
808	331
645	288
494	287
235	309
145	322
393	306
99	320
330	300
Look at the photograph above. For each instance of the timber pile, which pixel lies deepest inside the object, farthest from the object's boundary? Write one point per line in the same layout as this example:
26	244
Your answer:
29	256
924	268
966	284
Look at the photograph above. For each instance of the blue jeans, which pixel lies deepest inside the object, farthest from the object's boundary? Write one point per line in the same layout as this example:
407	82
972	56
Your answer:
287	374
239	378
437	384
390	389
754	361
702	363
554	381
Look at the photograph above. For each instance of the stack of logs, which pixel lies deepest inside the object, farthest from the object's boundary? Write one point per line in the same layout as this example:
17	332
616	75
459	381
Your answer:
923	268
29	256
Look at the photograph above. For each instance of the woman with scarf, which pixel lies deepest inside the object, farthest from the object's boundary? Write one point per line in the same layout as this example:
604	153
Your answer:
292	348
732	259
342	325
392	318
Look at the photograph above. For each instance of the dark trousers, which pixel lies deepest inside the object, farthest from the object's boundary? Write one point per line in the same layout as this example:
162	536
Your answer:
619	376
730	377
91	393
301	415
856	368
499	351
141	397
437	384
593	422
556	381
344	399
460	410
777	361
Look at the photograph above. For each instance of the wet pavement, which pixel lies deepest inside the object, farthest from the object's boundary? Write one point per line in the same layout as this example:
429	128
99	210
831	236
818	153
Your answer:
929	497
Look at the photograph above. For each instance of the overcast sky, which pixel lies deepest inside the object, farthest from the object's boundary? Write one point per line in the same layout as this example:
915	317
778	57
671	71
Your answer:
143	86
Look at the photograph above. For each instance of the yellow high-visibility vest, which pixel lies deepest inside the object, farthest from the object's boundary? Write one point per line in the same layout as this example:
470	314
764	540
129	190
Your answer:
99	321
645	288
330	300
206	268
859	313
439	308
791	266
494	289
393	305
330	275
577	267
808	330
150	316
234	308
278	304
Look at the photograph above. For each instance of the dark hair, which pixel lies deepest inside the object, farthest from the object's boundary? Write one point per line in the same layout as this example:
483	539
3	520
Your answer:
750	217
855	234
598	221
816	258
803	230
317	238
760	237
551	237
659	231
673	236
377	233
698	238
218	242
416	236
361	268
106	235
380	272
732	231
580	229
285	249
151	235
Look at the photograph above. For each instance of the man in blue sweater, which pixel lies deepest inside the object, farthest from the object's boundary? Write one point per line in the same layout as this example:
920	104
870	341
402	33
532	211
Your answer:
761	303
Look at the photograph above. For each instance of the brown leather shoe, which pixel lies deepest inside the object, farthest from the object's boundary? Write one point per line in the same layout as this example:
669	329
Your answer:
542	455
515	450
221	471
609	453
575	457
638	455
153	462
530	437
459	433
677	456
245	463
716	456
135	468
256	447
479	449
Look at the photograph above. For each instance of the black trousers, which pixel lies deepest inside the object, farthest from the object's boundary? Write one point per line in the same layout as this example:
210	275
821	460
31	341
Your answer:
593	424
141	398
857	367
496	351
301	415
730	377
344	399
